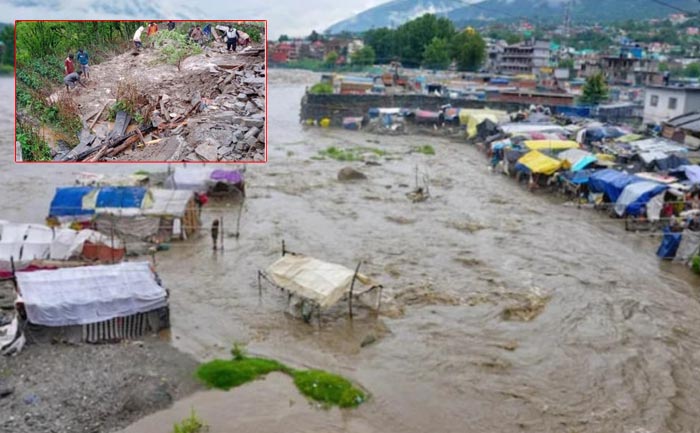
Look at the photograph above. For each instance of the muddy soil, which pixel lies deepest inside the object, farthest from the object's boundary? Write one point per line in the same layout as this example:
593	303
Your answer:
228	89
509	311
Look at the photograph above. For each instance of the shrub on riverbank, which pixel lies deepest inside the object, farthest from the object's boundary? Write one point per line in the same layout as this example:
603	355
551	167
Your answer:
191	424
326	388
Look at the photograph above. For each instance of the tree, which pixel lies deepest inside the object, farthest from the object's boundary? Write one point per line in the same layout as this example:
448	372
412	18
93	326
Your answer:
692	70
331	58
595	90
364	56
7	36
313	37
436	55
383	42
468	49
412	37
283	38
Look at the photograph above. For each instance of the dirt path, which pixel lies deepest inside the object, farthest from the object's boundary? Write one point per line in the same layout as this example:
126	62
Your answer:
228	89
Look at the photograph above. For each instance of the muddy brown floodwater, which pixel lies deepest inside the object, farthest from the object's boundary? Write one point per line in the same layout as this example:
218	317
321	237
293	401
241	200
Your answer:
614	347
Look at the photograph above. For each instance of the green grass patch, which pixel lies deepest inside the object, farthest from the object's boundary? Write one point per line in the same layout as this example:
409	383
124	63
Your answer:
34	147
425	150
695	264
6	69
191	424
349	154
326	388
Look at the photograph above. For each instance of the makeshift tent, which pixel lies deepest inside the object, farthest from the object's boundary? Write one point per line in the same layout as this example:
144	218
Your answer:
205	179
89	294
472	118
177	210
320	282
538	163
68	202
24	243
551	144
657	144
429	117
577	159
692	173
669	163
610	182
580	177
636	195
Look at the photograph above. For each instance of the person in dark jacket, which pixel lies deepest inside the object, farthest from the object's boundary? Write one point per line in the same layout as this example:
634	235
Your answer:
171	25
231	39
215	233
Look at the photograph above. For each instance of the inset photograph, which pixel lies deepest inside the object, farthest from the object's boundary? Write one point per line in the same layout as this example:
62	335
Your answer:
140	91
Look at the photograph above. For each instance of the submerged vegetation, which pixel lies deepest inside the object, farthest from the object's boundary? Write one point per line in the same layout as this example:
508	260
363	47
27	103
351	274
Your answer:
326	388
191	424
350	154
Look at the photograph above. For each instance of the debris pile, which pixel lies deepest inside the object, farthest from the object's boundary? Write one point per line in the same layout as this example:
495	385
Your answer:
211	110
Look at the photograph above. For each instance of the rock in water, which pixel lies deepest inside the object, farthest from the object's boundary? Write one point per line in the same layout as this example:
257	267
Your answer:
349	174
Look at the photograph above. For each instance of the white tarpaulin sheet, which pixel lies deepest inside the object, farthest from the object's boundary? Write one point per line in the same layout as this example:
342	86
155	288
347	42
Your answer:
193	178
24	242
90	294
169	202
690	243
631	193
322	282
514	128
657	144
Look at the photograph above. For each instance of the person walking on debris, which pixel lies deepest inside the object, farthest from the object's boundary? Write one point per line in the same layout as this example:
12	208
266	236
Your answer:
137	38
197	35
68	65
83	60
152	29
171	25
72	79
231	38
215	233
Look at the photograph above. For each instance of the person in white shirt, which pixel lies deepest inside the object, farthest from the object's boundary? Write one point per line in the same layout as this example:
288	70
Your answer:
137	38
231	38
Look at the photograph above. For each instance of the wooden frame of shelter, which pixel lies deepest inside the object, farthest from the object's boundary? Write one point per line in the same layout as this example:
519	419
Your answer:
315	304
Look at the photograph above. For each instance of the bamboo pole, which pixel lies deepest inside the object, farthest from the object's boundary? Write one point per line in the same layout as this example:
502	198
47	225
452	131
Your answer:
352	287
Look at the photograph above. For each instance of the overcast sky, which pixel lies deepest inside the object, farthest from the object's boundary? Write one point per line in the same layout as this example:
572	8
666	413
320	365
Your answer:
292	17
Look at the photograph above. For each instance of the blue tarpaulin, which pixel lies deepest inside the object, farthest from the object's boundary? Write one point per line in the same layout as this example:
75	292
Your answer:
580	177
635	195
69	201
669	244
120	197
611	182
573	111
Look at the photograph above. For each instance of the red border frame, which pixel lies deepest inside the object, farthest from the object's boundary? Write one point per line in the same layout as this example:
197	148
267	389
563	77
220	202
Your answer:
145	162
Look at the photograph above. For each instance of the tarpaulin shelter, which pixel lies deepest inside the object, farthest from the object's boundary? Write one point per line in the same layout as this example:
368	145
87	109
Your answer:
580	177
177	210
691	173
67	204
577	159
538	163
635	195
209	179
551	144
689	246
27	243
107	301
320	283
610	182
670	162
657	144
428	117
472	118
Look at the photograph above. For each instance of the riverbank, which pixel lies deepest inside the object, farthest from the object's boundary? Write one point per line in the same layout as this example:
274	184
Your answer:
60	388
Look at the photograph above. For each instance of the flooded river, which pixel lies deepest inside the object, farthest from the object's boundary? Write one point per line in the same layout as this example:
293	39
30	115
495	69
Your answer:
615	349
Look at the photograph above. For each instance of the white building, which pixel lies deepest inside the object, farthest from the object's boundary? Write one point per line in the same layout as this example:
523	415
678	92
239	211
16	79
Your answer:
664	103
